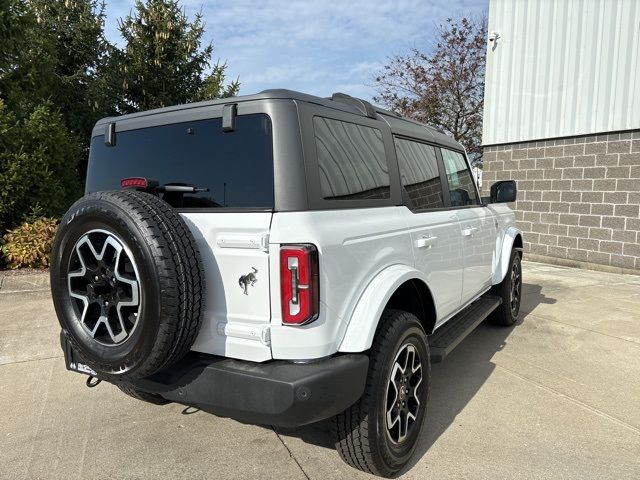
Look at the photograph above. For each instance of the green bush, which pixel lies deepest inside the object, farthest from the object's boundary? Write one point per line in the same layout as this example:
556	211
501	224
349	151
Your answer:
38	166
29	245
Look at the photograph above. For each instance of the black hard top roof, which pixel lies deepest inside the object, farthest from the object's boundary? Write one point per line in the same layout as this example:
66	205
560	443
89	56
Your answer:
399	125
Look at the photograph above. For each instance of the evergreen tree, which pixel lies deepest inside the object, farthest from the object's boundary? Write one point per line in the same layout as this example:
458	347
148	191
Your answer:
57	56
38	166
163	62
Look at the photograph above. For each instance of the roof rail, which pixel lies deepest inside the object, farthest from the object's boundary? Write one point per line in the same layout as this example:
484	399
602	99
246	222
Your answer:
365	107
390	113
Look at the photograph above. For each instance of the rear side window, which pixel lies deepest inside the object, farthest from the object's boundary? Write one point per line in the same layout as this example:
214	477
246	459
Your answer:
462	189
352	161
236	167
419	174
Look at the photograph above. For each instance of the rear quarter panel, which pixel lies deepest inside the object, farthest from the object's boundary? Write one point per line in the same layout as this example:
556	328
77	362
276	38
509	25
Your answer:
353	245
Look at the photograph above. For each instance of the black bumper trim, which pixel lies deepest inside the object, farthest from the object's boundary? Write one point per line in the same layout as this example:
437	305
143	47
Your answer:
278	392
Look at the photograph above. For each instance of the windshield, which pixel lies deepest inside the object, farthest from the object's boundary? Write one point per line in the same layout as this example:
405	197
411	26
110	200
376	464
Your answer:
236	167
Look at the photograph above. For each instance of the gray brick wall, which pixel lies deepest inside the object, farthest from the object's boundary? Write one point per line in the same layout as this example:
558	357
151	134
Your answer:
578	198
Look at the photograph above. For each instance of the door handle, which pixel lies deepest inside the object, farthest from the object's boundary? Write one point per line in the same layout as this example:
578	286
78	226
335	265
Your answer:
469	231
426	241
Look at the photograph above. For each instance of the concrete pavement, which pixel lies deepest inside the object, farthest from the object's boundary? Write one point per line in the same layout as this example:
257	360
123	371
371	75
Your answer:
557	396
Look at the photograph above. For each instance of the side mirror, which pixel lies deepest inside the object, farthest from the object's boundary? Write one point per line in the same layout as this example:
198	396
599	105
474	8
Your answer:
504	191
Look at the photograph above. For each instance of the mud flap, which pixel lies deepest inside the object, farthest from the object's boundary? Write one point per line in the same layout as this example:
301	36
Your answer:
71	359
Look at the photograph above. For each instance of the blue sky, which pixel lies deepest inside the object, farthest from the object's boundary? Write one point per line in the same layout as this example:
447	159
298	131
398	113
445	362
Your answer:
317	47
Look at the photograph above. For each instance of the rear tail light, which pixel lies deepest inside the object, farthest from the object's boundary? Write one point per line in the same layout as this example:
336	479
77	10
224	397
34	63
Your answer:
299	285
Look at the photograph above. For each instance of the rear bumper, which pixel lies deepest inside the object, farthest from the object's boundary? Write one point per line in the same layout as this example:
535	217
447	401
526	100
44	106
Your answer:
276	393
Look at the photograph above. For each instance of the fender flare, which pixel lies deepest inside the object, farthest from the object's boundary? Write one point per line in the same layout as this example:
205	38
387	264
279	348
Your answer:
368	311
505	254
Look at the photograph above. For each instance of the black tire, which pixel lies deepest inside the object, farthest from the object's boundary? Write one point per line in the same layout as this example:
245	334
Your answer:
361	435
144	396
167	269
507	313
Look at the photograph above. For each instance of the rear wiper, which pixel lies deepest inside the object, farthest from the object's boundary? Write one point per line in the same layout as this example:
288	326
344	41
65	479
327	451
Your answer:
180	188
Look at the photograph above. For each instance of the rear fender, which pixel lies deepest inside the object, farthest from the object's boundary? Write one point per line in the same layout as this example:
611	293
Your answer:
364	321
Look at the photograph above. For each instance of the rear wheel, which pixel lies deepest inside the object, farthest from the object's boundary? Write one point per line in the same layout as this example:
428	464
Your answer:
510	290
379	433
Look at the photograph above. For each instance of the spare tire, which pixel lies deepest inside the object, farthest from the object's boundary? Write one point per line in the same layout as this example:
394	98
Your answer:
127	283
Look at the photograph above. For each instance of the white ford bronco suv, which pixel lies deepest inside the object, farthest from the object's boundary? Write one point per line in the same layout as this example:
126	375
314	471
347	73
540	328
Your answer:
282	259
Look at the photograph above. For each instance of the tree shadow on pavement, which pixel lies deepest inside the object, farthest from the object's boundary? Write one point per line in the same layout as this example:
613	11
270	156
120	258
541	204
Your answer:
454	382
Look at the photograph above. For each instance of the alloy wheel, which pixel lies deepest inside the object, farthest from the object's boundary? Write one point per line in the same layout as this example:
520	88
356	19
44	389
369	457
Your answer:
402	402
103	282
516	286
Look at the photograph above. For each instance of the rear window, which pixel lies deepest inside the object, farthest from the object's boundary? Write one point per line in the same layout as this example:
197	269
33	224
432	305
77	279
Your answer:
236	167
352	161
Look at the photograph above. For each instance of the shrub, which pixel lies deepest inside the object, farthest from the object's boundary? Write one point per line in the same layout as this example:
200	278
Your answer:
38	166
29	245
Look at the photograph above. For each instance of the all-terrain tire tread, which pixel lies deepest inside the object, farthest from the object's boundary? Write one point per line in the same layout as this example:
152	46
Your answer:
354	442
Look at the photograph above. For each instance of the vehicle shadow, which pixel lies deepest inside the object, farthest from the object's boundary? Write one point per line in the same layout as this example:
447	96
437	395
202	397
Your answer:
454	382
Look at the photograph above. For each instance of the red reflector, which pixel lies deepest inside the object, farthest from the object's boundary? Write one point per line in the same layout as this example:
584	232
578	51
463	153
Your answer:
134	182
299	284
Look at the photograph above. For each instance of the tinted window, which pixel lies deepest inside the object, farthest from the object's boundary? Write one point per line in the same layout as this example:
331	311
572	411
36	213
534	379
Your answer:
462	188
236	167
352	161
419	174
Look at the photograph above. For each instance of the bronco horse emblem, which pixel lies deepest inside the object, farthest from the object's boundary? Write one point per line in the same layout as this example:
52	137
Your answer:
248	280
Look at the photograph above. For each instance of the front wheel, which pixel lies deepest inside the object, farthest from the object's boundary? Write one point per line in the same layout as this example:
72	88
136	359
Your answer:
379	433
510	290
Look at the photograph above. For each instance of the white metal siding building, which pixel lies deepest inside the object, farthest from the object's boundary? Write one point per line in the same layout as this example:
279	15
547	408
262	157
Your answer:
562	116
561	68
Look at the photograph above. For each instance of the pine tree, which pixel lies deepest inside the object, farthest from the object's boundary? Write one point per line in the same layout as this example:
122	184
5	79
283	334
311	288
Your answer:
59	56
163	62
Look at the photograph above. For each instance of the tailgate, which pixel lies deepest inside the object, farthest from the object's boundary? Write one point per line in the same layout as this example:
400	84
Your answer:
234	251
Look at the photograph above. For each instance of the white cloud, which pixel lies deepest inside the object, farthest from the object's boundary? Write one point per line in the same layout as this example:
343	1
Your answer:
314	46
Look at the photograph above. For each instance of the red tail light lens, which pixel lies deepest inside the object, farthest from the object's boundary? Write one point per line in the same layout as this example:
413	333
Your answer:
299	285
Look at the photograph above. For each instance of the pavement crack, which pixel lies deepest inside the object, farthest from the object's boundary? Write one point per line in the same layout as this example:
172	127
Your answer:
30	360
586	406
544	317
30	290
290	453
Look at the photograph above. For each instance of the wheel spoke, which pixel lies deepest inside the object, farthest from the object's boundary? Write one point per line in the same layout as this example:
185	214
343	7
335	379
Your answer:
101	321
117	338
391	420
85	304
411	356
404	426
